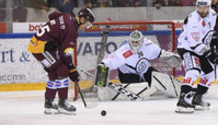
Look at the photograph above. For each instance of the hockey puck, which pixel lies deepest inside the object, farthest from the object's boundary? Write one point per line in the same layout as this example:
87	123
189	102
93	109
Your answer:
103	112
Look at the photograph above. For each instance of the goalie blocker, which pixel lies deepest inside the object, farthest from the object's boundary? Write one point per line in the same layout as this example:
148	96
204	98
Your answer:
101	75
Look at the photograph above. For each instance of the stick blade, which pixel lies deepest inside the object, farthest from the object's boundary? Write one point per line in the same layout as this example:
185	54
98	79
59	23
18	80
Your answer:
92	105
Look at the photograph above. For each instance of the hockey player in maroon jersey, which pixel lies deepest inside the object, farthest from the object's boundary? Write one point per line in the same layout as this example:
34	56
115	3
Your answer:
52	46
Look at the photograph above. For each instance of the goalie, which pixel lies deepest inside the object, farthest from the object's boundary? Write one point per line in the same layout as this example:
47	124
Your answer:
132	61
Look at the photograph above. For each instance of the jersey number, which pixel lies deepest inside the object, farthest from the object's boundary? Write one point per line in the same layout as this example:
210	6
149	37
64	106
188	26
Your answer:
42	30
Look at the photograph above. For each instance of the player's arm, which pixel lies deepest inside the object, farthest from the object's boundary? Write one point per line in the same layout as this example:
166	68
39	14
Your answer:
172	59
114	60
66	51
154	50
67	48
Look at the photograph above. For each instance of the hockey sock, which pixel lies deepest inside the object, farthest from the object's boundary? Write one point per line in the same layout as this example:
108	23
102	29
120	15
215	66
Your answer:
50	93
62	93
185	89
201	89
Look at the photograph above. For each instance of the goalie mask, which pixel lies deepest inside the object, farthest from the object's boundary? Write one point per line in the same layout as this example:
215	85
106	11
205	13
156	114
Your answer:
136	39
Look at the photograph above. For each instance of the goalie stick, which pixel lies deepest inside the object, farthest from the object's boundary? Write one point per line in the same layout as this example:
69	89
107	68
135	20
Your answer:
102	50
103	44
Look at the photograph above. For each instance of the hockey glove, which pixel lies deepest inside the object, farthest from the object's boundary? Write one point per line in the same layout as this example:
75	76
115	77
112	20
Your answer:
73	74
212	56
49	46
214	42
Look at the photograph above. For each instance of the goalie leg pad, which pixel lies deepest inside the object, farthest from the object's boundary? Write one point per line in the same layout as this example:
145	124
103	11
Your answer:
165	83
121	91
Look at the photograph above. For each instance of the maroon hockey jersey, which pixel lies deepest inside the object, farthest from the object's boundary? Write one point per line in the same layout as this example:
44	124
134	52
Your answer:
60	32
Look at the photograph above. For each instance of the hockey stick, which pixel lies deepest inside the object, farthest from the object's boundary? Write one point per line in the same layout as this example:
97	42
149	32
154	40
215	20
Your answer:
86	105
81	95
103	44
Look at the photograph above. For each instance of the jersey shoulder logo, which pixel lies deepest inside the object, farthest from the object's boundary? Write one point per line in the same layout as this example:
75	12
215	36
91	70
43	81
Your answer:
195	36
127	54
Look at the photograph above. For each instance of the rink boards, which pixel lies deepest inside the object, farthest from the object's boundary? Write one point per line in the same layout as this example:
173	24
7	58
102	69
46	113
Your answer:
20	71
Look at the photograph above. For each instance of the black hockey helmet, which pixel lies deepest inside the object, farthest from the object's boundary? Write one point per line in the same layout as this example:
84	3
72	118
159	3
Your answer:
87	14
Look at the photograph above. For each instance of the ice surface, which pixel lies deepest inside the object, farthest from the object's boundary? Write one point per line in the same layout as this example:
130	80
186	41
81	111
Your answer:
26	108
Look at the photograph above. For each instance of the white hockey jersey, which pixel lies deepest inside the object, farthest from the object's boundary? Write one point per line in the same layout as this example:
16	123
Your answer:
129	62
197	32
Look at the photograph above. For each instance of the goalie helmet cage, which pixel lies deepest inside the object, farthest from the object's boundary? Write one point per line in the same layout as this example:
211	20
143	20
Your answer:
87	47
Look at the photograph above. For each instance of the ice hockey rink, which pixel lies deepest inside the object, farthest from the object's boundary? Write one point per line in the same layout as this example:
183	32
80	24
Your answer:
26	108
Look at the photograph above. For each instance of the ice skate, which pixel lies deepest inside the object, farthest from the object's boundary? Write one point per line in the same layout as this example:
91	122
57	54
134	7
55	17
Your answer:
183	106
50	106
199	102
65	107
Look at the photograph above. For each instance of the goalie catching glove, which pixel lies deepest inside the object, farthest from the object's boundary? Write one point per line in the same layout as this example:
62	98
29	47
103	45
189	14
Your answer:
73	74
171	59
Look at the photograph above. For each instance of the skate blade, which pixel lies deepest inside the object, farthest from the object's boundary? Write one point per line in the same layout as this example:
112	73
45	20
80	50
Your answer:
50	111
199	108
65	112
184	110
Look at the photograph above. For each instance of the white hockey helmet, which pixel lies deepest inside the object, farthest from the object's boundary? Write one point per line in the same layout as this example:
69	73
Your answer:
203	3
136	39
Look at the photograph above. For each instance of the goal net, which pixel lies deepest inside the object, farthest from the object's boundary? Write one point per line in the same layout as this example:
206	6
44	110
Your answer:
89	43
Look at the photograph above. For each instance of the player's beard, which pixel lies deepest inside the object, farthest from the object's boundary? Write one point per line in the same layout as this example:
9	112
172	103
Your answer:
203	11
203	14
